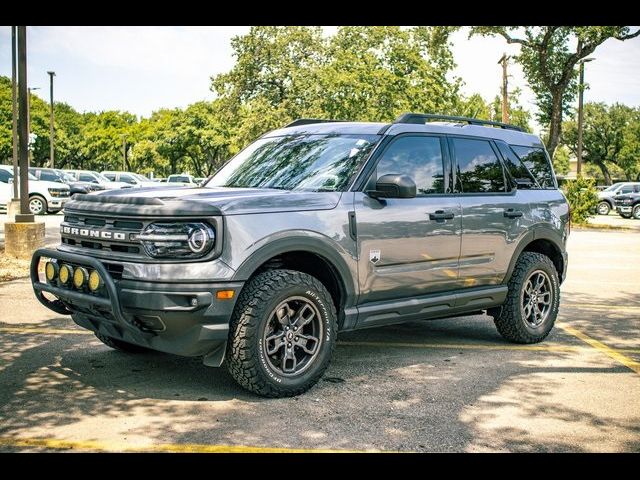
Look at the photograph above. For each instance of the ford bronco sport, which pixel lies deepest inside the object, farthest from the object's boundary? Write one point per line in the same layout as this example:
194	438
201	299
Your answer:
313	229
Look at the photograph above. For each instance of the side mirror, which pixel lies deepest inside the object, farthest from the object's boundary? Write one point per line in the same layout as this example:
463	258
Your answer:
393	186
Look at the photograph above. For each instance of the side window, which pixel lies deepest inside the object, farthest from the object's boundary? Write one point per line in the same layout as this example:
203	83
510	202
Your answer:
516	168
625	189
418	157
48	176
85	177
478	167
4	176
110	176
127	179
537	163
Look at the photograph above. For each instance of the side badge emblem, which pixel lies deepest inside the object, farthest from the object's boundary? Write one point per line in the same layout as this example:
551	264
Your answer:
374	256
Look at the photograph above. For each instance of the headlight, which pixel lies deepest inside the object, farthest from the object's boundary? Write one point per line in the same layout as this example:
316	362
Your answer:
177	240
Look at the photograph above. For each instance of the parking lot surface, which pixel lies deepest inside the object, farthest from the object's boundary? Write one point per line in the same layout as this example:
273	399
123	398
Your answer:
446	385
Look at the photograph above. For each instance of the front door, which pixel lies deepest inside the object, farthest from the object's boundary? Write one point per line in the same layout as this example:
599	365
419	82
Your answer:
409	247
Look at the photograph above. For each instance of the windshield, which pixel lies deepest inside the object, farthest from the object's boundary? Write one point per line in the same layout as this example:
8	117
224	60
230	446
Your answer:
612	187
100	177
316	163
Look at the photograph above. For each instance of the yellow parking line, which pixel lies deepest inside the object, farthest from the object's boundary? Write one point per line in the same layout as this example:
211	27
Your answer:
55	444
601	347
463	346
50	331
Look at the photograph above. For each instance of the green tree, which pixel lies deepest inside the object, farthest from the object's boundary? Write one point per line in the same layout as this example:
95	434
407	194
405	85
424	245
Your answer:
561	160
360	73
548	58
608	138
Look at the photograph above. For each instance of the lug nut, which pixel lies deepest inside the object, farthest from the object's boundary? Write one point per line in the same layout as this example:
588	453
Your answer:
295	329
288	345
296	338
286	328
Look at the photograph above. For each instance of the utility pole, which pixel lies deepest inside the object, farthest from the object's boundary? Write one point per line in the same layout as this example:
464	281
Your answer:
51	128
124	152
580	110
505	97
23	128
14	108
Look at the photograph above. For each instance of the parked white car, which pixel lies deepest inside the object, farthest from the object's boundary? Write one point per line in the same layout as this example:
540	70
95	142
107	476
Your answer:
6	191
183	179
44	197
97	178
131	179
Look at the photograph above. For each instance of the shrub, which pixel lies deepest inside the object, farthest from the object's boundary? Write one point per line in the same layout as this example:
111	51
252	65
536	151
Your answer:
583	198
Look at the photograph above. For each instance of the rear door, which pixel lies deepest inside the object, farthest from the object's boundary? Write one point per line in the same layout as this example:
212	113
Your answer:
410	246
494	214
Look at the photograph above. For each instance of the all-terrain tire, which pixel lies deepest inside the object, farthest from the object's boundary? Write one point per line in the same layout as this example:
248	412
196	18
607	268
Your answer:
510	320
120	345
246	357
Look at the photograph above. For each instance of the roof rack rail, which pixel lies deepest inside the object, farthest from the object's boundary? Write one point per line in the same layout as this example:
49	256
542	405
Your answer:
421	118
309	121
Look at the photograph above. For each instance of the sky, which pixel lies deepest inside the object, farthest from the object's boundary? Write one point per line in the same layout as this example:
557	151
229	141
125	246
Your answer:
142	69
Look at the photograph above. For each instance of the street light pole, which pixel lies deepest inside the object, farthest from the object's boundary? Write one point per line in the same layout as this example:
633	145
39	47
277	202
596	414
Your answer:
14	108
580	114
51	127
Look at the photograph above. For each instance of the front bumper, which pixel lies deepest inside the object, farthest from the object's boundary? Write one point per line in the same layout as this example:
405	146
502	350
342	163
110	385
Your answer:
624	208
183	319
57	203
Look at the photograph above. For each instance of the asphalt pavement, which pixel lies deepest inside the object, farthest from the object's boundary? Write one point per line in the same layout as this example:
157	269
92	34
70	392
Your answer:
448	386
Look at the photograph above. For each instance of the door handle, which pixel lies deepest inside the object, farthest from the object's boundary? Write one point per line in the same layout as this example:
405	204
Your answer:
511	213
440	215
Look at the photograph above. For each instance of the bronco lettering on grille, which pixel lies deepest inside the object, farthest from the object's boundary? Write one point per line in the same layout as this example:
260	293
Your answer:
92	233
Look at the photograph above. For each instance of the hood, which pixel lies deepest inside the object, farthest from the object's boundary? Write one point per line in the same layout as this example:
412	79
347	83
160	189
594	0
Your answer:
198	200
115	185
47	184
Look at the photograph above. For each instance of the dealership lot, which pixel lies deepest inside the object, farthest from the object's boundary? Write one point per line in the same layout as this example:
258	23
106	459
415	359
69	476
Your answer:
448	385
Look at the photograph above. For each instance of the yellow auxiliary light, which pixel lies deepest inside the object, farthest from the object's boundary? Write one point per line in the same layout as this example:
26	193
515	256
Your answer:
51	271
65	274
95	281
80	277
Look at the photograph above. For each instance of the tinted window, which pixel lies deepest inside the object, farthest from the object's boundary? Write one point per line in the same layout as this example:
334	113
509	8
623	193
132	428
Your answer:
516	168
537	163
179	179
127	179
5	176
418	157
479	169
85	177
110	176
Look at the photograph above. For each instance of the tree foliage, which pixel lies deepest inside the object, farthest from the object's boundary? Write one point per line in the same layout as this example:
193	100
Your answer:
611	138
549	56
582	197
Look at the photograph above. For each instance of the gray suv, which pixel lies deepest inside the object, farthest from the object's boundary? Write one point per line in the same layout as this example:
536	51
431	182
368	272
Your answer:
313	229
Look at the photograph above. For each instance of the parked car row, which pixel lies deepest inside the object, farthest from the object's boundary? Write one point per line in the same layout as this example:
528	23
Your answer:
623	197
50	188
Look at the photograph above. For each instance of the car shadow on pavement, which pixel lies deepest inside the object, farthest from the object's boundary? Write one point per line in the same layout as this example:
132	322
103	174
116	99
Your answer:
372	397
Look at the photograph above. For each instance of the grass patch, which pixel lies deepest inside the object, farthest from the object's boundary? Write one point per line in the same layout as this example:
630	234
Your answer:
12	268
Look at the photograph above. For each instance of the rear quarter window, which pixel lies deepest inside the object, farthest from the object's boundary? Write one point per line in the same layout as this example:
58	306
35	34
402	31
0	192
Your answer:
537	163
